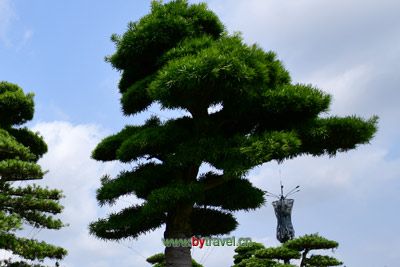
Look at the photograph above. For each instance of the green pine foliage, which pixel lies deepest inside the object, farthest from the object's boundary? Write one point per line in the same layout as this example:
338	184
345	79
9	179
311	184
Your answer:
256	255
181	57
256	262
158	260
307	243
278	253
310	242
30	205
246	252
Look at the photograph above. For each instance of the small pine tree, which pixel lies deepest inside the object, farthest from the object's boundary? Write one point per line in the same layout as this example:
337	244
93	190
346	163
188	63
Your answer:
246	256
297	248
256	255
20	149
180	57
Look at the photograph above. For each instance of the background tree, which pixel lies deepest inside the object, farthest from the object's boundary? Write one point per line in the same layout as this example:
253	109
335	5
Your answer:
244	257
282	253
246	251
297	248
257	262
242	111
307	243
20	149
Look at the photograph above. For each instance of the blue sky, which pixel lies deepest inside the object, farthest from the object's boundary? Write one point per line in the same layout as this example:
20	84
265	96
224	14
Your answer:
350	49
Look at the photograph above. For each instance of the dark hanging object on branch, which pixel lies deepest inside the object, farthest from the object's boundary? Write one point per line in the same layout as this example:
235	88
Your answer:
283	211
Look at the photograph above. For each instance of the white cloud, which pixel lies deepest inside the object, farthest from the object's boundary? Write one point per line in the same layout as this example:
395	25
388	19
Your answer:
346	86
309	23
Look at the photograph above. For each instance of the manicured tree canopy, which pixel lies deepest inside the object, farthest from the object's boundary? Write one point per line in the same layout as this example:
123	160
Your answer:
297	248
158	260
246	252
243	111
256	262
245	256
278	253
33	205
259	256
311	242
307	243
321	261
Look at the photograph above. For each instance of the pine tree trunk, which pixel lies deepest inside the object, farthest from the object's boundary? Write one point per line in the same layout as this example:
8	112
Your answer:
303	258
178	226
178	257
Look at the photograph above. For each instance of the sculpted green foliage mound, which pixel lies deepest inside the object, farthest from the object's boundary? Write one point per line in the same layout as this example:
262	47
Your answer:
32	205
158	260
256	255
243	110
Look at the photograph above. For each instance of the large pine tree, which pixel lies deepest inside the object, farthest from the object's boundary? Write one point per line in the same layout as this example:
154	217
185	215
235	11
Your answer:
243	111
30	205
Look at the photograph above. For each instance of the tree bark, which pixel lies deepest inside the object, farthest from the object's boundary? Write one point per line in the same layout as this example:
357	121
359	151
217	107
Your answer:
178	226
178	257
303	258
